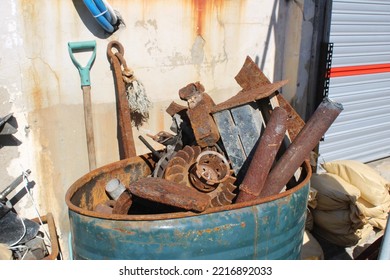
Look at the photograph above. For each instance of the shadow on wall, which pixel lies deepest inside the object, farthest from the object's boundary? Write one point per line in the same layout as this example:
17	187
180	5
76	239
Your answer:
89	21
276	24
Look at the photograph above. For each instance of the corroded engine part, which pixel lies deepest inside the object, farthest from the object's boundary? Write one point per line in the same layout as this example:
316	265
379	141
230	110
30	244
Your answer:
203	171
210	169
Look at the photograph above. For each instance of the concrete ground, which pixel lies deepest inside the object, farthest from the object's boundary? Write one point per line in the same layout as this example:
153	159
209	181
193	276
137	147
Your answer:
382	166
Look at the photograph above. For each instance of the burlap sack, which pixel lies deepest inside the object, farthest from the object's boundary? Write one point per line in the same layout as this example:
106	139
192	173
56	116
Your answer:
340	222
312	200
375	215
334	193
344	240
309	223
373	187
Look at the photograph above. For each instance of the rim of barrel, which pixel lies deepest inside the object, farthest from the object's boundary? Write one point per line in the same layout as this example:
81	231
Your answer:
177	215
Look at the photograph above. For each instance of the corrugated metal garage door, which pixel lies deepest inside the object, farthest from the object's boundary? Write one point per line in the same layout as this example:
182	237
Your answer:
360	80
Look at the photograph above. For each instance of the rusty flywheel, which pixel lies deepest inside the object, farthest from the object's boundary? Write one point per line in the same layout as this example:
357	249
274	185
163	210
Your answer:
205	170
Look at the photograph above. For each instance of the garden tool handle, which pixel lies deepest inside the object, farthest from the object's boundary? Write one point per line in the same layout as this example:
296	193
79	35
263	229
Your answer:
89	126
86	87
83	70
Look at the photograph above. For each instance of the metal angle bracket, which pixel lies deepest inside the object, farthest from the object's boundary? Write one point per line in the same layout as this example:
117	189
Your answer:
328	67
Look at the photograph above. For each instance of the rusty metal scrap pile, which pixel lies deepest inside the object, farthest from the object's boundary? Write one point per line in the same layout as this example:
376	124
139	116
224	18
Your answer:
250	146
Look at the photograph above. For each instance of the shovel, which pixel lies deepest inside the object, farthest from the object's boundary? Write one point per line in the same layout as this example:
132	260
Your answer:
86	87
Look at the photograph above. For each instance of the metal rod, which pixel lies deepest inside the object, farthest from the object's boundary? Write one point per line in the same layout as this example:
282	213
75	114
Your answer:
13	185
264	156
384	250
300	148
146	143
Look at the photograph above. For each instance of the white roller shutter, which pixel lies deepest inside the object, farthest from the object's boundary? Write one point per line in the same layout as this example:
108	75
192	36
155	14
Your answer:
360	80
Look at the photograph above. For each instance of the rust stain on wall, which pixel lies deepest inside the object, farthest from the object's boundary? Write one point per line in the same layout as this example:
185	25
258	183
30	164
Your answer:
30	19
35	92
41	80
203	11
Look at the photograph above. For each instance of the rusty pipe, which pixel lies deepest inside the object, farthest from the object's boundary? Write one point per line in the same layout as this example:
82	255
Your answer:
264	156
300	148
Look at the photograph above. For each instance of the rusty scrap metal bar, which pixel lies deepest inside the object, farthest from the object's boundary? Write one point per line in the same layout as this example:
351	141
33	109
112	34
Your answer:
304	143
251	77
200	105
250	95
170	193
264	156
105	207
175	108
295	122
55	248
123	203
124	117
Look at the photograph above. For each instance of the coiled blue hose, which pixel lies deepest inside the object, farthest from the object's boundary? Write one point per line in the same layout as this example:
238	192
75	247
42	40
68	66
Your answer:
103	9
102	15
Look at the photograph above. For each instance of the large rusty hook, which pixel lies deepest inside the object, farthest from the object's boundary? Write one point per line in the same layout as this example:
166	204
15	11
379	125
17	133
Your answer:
119	54
117	61
115	45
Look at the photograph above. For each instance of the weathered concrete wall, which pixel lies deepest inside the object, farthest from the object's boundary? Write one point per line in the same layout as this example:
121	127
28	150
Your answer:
168	44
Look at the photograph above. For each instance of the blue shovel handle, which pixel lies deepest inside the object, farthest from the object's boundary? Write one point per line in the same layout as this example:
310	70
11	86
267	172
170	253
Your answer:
84	71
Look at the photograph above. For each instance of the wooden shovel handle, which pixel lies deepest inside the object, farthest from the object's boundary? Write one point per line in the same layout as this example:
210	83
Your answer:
89	126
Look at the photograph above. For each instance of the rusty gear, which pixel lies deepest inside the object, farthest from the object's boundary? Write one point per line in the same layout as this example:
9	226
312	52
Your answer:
205	171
